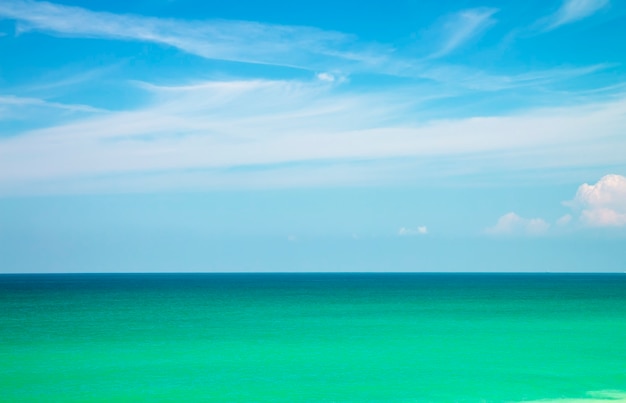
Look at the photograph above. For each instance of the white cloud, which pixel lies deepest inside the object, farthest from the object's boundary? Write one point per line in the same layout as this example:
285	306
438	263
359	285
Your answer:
326	77
575	10
204	132
513	224
36	111
477	80
602	204
54	83
603	217
564	220
216	126
217	39
421	230
14	102
292	46
459	28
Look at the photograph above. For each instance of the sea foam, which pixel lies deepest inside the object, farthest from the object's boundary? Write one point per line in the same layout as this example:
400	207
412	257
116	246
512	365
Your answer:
604	396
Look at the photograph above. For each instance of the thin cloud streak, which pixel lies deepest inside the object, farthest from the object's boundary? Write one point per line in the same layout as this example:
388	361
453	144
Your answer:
463	26
241	41
575	10
58	82
476	80
11	102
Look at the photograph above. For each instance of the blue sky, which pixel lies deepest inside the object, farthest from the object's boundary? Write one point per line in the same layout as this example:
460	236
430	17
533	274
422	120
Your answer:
292	136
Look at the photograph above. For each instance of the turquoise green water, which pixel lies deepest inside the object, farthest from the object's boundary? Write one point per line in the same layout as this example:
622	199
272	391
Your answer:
313	338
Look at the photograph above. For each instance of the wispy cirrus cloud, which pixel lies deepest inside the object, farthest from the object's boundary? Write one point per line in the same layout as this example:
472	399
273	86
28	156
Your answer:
242	41
574	10
307	130
59	81
18	114
477	80
13	101
459	28
300	47
272	132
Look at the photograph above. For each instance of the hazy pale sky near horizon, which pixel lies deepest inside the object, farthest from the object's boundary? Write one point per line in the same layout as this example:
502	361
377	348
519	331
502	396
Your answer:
180	135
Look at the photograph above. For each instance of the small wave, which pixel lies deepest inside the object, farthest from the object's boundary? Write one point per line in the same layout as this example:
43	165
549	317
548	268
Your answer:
604	396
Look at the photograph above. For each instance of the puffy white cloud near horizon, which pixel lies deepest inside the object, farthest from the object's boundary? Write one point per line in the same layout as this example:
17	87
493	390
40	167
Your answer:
599	205
513	224
421	230
602	204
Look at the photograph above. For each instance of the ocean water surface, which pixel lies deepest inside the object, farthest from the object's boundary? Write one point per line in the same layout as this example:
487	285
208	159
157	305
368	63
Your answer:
313	337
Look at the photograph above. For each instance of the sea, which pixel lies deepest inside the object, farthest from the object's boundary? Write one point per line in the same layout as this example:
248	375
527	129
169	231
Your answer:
313	337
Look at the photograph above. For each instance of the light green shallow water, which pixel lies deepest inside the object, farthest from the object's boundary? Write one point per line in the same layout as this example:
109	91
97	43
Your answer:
312	338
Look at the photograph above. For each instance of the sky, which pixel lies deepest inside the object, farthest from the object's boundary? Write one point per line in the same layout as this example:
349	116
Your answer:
181	135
